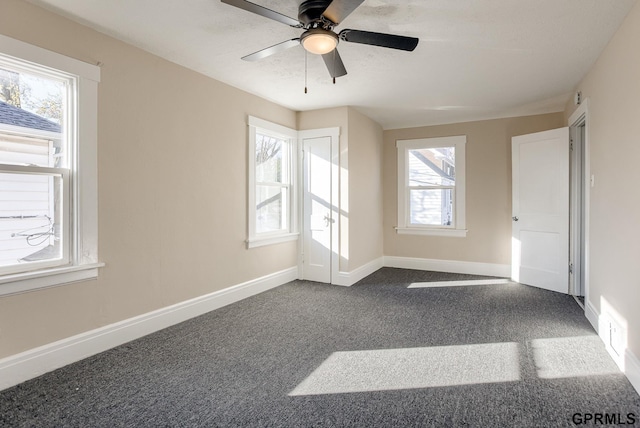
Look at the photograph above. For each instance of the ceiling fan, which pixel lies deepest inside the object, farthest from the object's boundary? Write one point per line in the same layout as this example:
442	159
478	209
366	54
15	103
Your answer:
318	18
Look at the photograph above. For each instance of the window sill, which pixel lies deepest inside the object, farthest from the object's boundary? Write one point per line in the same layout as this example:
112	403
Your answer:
30	281
261	242
453	233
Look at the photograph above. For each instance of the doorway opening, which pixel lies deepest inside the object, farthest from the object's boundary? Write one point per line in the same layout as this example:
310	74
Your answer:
578	219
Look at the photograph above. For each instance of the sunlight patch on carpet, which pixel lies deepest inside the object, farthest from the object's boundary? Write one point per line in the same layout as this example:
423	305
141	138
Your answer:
411	368
459	283
564	357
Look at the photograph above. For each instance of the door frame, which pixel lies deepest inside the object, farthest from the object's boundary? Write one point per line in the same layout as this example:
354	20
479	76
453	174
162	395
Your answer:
334	134
579	118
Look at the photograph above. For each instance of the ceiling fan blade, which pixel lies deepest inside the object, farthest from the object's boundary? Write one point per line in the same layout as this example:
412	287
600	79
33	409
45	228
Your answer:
263	11
338	10
379	39
334	63
272	50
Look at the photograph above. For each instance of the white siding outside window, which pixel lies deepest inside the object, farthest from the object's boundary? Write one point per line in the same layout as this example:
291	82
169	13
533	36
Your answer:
25	227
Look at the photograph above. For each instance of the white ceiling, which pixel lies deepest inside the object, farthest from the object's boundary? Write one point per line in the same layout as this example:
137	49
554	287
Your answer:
477	59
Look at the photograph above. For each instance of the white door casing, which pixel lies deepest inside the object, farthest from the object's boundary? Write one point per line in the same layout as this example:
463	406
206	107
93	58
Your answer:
577	210
580	238
540	198
320	214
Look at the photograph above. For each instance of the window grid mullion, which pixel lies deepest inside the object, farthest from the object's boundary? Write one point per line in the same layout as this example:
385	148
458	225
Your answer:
430	187
271	183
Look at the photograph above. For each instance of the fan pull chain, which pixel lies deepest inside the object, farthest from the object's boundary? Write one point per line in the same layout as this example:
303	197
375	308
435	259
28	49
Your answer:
334	66
305	71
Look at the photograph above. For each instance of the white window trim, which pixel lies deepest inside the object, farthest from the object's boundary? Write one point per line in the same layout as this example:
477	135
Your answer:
84	250
257	125
404	227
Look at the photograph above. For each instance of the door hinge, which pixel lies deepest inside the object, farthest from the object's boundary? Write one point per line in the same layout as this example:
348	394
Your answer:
570	267
571	145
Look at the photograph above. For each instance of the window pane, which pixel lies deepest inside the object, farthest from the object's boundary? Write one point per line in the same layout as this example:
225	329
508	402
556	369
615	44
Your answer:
36	104
271	203
30	218
432	167
431	207
269	159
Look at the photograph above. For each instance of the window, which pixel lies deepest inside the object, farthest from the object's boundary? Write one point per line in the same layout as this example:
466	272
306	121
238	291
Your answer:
34	168
272	172
48	192
431	191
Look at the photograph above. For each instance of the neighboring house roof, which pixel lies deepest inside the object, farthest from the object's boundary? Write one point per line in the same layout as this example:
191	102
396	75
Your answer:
15	116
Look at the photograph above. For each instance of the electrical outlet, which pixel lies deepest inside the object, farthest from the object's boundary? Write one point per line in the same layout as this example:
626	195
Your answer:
616	338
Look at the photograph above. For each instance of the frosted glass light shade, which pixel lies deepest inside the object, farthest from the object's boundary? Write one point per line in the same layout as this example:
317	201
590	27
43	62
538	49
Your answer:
319	42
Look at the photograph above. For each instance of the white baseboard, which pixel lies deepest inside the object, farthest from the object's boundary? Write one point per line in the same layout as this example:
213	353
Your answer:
628	362
592	315
349	278
632	369
453	266
34	362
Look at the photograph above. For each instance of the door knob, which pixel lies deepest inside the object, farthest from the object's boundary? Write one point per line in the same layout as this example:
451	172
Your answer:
515	218
328	220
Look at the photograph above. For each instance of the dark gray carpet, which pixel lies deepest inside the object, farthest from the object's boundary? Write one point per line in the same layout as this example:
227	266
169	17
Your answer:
237	366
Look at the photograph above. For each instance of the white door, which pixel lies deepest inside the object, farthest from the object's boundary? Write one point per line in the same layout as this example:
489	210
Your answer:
540	226
318	214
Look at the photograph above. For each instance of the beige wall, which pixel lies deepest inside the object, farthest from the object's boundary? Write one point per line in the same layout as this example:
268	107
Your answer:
613	89
488	190
365	185
172	187
360	182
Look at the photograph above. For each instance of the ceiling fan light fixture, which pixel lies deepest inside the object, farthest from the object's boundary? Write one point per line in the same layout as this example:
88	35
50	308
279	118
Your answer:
318	41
